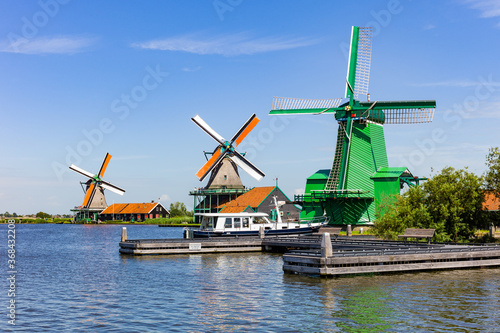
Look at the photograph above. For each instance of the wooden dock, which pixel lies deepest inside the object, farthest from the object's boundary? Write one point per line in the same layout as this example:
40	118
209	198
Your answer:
190	246
361	257
327	255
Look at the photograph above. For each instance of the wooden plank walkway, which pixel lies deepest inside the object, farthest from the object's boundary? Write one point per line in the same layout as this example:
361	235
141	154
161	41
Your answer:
383	257
329	255
190	246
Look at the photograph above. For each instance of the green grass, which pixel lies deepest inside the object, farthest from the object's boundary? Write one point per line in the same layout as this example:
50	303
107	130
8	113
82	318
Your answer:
33	221
181	220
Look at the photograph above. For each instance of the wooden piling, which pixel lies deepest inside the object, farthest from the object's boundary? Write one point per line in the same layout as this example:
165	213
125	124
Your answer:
124	234
326	245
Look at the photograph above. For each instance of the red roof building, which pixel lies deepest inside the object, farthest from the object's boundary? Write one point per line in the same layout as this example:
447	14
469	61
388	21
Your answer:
134	211
491	202
260	199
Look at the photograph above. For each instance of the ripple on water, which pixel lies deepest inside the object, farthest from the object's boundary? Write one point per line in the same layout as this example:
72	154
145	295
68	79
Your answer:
72	278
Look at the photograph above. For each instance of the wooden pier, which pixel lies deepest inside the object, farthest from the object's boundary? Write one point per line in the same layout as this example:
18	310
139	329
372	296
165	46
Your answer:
327	255
361	257
190	246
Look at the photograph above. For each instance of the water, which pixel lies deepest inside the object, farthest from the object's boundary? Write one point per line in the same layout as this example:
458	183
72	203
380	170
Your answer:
72	278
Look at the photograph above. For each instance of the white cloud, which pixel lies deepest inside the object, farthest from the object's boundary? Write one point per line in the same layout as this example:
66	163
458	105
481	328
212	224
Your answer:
227	45
488	8
298	191
45	45
164	197
429	27
458	83
191	69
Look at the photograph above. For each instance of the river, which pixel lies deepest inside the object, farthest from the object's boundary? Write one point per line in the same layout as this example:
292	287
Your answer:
72	278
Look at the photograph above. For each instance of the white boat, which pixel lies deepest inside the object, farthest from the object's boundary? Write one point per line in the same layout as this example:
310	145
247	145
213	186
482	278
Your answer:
250	224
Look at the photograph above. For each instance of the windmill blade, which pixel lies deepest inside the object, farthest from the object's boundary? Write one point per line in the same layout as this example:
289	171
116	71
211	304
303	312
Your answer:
409	116
243	163
358	69
104	165
245	129
81	171
402	112
112	188
89	195
285	105
204	126
217	156
362	77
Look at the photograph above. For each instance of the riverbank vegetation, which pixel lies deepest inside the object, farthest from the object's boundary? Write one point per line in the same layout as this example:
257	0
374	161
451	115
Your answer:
451	202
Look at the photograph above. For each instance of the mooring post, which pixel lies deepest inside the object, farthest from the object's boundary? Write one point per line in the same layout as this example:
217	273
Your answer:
124	234
326	245
261	232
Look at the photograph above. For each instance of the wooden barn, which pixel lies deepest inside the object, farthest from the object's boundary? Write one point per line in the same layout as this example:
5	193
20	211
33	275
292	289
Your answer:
134	212
260	199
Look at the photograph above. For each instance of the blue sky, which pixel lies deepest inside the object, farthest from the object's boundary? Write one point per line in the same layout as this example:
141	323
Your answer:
82	78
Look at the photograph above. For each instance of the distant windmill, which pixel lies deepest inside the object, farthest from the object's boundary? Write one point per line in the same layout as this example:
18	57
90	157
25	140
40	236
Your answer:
94	192
360	175
225	152
224	183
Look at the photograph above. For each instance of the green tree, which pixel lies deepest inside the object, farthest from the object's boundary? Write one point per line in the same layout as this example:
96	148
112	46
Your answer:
179	209
492	176
42	215
450	202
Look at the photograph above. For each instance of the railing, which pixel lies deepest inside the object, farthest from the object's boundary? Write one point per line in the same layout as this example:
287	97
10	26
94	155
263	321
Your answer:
324	194
202	191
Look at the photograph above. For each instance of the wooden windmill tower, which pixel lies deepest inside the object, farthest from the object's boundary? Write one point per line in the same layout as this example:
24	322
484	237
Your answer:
351	191
94	201
224	183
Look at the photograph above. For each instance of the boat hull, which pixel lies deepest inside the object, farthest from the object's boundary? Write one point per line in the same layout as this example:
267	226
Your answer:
247	233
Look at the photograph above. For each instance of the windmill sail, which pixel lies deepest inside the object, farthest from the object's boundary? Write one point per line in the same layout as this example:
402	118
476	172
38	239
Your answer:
401	112
364	58
303	106
95	182
226	149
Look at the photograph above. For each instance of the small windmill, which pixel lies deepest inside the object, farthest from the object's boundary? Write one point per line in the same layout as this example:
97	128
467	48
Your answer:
226	149
94	192
224	183
352	189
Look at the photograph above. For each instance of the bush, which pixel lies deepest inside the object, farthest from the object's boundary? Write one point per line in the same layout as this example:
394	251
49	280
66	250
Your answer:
450	202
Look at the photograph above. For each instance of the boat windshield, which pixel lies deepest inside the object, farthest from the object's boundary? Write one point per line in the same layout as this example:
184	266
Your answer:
259	219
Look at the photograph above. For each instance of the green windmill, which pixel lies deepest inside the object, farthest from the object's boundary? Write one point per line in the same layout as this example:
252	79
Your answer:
352	191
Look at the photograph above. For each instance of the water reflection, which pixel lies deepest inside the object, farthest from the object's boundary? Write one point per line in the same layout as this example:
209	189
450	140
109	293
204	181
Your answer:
73	278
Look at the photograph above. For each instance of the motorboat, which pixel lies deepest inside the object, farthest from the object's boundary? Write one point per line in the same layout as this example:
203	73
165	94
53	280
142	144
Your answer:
251	224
